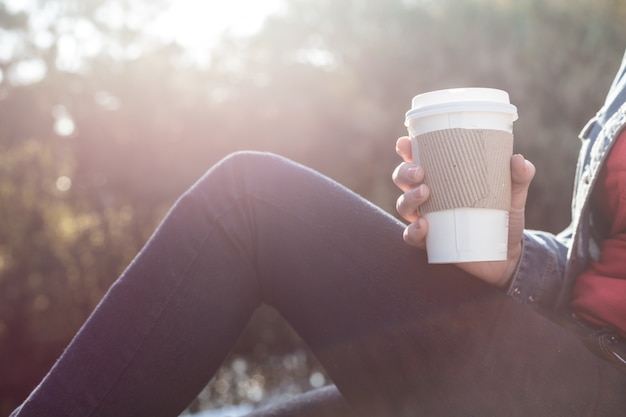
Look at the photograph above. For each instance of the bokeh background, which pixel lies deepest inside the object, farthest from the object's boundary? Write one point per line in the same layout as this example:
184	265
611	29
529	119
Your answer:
104	122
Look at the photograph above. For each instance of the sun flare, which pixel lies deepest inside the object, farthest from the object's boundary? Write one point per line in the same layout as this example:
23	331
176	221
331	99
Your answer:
198	24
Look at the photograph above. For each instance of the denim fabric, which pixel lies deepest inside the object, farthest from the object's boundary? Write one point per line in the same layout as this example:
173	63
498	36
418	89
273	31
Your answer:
550	264
398	337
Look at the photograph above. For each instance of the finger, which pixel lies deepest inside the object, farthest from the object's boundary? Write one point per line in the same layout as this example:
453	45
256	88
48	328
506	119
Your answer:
407	176
522	173
403	148
408	203
415	233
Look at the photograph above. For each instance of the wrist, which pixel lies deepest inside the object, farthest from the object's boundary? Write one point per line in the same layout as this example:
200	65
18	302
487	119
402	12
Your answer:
513	264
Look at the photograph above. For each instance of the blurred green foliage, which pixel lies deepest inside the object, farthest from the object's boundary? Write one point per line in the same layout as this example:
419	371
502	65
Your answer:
96	148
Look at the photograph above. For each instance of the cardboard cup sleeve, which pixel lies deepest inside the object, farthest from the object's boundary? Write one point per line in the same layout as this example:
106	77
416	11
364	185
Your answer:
466	168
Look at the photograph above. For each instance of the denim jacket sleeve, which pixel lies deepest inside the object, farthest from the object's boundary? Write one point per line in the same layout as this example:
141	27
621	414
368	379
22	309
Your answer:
550	263
539	276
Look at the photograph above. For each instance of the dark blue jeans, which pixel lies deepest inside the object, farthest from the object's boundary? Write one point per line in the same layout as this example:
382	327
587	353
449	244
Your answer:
399	337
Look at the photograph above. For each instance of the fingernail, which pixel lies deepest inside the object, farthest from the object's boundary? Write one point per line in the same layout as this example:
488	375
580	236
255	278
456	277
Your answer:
418	191
412	172
527	164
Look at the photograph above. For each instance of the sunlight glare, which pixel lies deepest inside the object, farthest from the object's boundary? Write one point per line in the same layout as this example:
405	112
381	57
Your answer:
63	123
64	183
27	72
198	24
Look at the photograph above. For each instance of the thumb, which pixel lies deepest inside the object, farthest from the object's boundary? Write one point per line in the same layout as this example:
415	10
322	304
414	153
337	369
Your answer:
522	173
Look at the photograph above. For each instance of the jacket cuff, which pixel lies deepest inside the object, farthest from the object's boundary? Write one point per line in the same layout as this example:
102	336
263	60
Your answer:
539	273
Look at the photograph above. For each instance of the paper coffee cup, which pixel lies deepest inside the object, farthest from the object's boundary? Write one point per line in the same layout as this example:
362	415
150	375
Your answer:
464	140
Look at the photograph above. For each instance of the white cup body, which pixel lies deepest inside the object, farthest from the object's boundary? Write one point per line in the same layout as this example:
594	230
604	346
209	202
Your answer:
467	235
463	234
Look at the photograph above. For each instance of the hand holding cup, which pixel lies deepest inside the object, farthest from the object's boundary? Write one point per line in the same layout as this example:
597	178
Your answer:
461	181
409	178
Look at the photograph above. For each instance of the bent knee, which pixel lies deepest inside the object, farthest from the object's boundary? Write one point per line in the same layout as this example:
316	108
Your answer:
244	170
242	159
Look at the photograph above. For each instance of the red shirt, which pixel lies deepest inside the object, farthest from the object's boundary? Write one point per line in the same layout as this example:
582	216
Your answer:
599	294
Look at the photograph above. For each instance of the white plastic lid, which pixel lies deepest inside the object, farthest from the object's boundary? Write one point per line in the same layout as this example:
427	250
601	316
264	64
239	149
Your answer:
461	100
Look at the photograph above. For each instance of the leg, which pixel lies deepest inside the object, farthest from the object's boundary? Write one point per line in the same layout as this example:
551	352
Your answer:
401	337
398	336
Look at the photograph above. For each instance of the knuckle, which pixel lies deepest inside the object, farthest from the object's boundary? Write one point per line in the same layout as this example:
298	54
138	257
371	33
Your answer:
406	206
395	176
399	204
407	176
413	235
